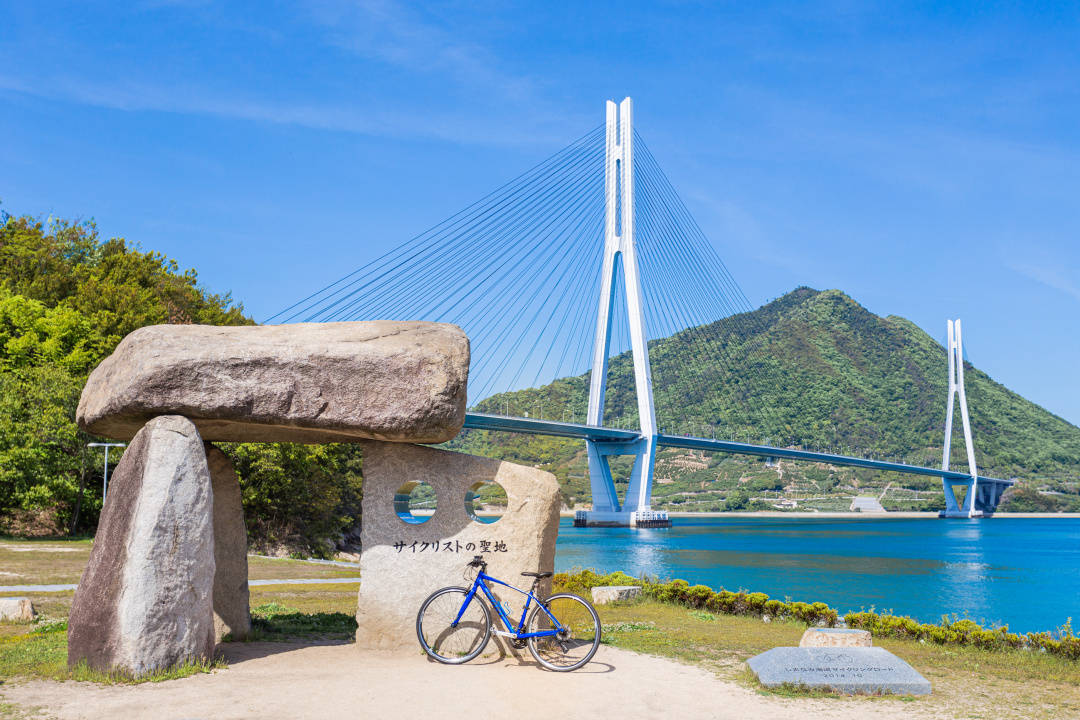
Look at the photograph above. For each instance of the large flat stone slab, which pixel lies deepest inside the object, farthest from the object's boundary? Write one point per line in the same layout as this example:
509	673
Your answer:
145	600
307	382
864	670
402	563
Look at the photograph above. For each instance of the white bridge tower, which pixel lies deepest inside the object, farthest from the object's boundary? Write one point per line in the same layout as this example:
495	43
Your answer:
956	388
620	256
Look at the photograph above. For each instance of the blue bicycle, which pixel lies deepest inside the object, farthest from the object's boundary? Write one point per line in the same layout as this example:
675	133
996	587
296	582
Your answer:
454	625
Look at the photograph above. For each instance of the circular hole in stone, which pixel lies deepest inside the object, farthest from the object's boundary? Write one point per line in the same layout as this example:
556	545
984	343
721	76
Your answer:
485	502
415	502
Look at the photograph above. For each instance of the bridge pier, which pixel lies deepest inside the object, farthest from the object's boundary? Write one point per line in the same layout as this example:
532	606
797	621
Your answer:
622	518
981	499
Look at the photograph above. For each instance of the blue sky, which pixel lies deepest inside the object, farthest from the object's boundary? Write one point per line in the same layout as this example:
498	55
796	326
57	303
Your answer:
924	158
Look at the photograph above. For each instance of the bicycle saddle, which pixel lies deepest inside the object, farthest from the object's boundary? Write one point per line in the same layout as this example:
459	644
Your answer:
539	576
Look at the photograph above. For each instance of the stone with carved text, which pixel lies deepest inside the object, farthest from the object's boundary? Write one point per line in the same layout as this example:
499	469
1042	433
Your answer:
402	563
851	670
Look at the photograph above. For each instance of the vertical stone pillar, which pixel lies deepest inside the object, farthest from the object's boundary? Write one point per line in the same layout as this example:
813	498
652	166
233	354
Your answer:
232	612
145	601
402	563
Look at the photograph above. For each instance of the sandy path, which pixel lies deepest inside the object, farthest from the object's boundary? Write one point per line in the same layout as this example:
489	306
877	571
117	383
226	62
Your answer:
278	680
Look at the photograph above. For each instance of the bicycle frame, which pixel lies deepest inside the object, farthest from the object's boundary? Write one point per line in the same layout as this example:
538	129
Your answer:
481	582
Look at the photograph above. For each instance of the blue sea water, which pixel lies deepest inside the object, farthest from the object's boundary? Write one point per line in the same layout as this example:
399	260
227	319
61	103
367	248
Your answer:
1023	572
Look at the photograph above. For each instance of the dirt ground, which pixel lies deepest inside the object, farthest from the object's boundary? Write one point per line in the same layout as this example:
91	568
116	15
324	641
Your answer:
298	681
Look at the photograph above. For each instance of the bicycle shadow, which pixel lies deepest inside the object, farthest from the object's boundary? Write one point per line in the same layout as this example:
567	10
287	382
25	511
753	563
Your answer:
513	657
594	667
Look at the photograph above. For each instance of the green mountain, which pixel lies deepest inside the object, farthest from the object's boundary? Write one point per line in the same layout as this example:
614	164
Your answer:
812	369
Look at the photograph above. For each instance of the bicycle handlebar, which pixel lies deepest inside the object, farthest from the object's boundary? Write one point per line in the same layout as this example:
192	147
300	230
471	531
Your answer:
478	561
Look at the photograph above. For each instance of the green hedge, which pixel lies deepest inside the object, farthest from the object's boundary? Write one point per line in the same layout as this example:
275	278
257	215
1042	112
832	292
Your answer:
965	632
757	604
681	592
1063	642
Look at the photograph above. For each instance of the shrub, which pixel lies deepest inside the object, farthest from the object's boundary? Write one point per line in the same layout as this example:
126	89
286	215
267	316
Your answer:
582	582
680	592
698	595
775	608
755	602
967	632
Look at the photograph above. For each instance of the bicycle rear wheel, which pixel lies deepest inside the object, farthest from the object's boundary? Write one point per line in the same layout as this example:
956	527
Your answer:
441	638
576	642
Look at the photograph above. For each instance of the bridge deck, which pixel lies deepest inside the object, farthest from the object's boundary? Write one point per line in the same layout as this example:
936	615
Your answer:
484	421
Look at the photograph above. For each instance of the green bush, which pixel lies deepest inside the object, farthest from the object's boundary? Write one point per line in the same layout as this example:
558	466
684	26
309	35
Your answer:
739	603
701	597
967	632
581	582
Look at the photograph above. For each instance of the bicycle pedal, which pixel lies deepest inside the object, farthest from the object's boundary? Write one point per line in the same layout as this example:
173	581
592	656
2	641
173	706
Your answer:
502	633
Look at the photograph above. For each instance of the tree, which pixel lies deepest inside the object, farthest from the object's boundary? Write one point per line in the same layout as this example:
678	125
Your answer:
302	498
66	299
45	354
737	500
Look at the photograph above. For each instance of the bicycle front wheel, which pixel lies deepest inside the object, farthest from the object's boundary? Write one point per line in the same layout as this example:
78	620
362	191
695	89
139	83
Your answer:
446	641
577	638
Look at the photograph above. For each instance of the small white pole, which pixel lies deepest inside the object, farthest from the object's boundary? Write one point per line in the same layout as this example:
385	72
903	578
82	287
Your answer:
105	477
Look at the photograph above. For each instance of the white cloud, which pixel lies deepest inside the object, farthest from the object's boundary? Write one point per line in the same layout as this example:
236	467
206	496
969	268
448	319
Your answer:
447	125
502	108
403	37
1055	276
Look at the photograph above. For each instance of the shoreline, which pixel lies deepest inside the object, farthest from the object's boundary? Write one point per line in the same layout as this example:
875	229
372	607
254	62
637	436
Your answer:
799	515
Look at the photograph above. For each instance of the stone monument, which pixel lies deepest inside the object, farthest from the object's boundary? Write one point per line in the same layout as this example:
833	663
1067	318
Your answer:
851	670
167	576
145	601
402	563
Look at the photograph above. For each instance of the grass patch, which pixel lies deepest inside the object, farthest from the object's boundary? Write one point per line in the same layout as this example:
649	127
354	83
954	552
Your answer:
9	711
42	562
41	652
60	561
331	597
967	680
34	655
192	667
262	568
275	622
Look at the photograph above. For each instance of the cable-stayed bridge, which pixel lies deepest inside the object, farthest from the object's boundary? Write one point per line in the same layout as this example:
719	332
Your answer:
588	255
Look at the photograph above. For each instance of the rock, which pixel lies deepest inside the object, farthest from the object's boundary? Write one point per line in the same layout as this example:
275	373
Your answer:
145	601
863	670
402	563
232	613
835	637
614	593
17	609
308	382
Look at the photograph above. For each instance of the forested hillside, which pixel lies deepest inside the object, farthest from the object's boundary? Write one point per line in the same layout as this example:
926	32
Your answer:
812	369
67	298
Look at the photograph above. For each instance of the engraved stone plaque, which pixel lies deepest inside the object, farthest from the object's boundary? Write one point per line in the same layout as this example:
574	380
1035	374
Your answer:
864	670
